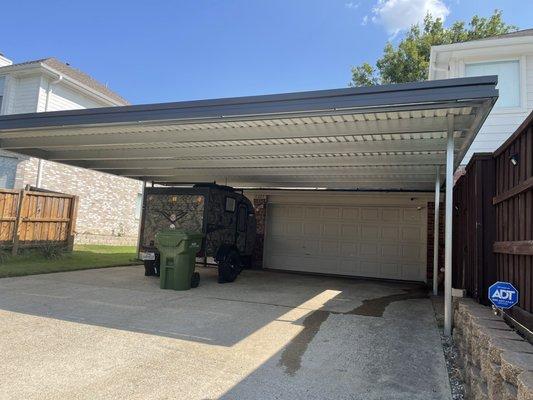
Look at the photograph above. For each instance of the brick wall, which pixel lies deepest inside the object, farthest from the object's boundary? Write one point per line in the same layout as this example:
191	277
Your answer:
107	204
430	230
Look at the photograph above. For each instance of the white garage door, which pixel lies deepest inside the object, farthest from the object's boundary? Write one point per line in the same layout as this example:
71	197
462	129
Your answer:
380	242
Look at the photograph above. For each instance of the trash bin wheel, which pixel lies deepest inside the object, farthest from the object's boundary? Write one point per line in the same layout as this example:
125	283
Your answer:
195	279
229	267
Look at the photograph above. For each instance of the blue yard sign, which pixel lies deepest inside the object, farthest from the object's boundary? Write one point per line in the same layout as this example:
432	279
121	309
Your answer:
503	295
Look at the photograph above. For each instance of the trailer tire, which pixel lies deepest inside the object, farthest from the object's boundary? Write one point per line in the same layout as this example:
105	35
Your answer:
229	266
195	280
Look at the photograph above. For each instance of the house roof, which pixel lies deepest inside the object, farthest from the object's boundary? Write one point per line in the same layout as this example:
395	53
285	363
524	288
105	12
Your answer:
74	74
520	33
389	137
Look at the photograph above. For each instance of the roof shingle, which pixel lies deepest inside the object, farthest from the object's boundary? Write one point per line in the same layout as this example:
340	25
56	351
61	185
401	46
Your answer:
76	75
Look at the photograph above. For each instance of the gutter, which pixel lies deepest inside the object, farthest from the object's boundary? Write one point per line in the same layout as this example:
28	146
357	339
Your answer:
86	88
40	165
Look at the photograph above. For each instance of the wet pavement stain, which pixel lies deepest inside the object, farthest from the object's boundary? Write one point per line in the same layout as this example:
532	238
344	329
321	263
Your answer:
291	358
376	307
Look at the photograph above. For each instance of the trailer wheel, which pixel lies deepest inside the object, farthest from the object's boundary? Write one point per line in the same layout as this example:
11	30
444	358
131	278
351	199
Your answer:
229	267
195	280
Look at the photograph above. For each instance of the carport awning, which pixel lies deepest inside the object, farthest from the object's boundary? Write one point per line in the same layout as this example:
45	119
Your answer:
377	138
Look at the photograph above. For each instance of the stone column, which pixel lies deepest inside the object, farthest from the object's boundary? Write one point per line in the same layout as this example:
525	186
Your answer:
260	204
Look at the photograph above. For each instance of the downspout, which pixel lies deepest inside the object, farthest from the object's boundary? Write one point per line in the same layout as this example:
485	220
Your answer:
40	165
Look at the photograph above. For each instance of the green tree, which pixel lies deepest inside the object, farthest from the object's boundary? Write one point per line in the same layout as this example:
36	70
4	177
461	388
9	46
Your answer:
409	60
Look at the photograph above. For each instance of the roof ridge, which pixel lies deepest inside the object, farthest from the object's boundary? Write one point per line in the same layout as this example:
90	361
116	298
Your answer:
75	74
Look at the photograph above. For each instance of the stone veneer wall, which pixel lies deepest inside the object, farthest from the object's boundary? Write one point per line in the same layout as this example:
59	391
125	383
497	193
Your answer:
497	363
107	203
260	203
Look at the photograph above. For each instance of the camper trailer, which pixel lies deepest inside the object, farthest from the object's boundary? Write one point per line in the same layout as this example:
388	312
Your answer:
223	215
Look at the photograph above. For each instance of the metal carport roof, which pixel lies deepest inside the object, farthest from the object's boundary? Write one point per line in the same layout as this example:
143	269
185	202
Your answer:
389	137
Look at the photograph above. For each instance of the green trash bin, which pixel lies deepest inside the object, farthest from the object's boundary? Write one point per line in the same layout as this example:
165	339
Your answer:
177	250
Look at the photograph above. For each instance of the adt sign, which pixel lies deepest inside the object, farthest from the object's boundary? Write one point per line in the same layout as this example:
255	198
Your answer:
503	295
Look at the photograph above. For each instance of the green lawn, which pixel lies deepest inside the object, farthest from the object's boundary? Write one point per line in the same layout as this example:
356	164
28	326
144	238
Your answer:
83	257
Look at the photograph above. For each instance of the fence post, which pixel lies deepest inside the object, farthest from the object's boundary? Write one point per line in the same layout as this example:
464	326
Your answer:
73	215
16	227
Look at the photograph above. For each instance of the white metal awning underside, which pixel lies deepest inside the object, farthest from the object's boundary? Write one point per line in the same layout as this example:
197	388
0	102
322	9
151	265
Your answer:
393	146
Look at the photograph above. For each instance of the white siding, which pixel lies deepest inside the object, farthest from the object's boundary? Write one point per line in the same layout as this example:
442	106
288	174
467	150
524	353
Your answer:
62	97
25	92
529	81
501	123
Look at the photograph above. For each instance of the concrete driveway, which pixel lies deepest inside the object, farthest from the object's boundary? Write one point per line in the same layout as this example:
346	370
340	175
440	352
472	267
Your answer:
113	334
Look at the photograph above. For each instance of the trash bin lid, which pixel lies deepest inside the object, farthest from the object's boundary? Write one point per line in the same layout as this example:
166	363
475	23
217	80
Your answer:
172	237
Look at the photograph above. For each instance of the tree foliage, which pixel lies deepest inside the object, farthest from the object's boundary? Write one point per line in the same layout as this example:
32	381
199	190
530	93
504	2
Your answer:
409	60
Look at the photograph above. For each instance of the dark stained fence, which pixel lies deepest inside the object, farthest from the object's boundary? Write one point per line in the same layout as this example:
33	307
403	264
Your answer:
474	264
513	202
493	223
34	218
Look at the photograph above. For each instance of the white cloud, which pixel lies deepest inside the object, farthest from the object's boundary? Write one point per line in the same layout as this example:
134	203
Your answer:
352	5
365	20
399	15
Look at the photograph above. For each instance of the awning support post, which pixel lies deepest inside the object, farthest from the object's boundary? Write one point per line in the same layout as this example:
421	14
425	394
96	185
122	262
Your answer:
448	231
436	234
143	188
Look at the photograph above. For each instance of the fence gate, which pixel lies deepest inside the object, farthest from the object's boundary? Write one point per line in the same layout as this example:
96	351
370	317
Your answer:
32	218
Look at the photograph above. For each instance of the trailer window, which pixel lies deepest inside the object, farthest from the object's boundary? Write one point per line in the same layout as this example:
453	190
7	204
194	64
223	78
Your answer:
241	222
230	204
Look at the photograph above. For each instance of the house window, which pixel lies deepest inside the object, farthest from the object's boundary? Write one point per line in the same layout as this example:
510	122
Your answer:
508	79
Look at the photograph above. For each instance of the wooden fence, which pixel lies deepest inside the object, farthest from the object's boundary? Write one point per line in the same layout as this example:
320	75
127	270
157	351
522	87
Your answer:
513	202
493	223
32	218
474	263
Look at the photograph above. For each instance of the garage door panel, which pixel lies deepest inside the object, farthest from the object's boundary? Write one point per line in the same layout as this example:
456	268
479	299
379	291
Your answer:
369	241
313	212
330	248
412	272
349	249
391	215
331	229
350	231
391	271
390	233
412	234
369	232
369	214
311	247
295	212
313	264
390	250
295	228
350	213
331	212
347	266
411	252
368	249
285	245
312	228
368	269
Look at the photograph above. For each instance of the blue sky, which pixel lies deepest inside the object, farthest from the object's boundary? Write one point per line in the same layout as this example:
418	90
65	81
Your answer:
157	51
